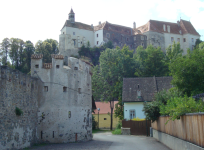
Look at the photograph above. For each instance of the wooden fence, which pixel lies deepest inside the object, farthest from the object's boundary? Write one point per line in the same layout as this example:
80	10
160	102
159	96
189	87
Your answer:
137	127
189	127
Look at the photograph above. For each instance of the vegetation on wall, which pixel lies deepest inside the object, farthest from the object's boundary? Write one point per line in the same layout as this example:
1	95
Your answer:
18	111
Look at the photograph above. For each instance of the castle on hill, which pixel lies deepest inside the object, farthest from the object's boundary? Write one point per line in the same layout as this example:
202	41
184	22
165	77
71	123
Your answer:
158	33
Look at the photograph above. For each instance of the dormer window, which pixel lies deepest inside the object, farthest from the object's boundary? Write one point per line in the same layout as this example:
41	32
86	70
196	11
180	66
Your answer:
168	29
164	27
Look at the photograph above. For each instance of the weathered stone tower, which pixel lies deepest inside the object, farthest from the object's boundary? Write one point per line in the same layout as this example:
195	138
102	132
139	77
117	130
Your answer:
65	99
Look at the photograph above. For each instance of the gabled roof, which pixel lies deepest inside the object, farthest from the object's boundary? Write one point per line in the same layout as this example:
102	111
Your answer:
78	25
148	86
104	107
175	28
113	27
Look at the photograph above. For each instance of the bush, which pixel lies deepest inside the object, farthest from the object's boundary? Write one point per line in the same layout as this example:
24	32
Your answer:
178	106
119	125
116	131
94	123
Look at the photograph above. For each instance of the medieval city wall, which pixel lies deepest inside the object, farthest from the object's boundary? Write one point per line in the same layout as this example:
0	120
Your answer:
17	90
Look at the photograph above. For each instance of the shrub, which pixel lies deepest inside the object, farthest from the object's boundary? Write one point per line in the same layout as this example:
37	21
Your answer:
178	106
94	123
116	131
119	125
18	111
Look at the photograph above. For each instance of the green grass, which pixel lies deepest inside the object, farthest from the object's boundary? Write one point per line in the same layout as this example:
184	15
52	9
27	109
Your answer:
116	131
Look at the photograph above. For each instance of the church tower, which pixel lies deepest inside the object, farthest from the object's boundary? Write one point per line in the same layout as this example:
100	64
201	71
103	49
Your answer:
72	16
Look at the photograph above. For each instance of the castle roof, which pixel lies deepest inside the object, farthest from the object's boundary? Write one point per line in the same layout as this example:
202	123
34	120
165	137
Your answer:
78	25
113	27
71	11
175	28
148	86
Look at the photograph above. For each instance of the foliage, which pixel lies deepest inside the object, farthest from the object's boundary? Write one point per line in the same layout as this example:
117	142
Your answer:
151	62
116	132
47	48
197	43
178	106
119	125
4	50
18	111
137	119
115	64
95	52
172	52
94	123
188	72
152	109
118	112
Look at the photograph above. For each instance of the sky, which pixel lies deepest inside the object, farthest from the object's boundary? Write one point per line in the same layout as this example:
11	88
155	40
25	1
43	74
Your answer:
43	19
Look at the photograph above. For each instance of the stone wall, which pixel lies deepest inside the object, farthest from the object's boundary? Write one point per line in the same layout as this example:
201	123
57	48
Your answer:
17	90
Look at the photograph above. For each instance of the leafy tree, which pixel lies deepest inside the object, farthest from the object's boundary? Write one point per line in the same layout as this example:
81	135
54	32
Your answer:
4	50
172	52
151	62
114	64
47	48
188	72
198	41
14	52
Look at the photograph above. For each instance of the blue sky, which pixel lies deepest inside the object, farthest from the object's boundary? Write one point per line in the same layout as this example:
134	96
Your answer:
41	19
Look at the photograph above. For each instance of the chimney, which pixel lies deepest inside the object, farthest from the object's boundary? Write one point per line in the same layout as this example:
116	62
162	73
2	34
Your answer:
178	23
99	23
134	25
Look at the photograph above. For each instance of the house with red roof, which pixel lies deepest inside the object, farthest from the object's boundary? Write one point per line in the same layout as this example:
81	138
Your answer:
103	115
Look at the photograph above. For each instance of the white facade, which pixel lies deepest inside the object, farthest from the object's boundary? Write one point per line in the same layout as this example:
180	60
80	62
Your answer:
98	37
65	102
137	106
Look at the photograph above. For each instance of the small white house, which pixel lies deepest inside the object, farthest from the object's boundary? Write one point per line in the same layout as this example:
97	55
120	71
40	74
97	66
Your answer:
137	91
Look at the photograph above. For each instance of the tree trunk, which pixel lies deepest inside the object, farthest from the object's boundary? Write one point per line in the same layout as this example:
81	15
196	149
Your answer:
111	106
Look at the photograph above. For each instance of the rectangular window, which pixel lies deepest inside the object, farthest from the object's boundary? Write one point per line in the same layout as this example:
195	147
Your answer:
107	35
79	90
64	89
97	35
75	68
178	40
135	38
36	66
142	37
172	39
121	37
192	40
132	114
184	39
45	88
97	42
57	66
73	33
127	39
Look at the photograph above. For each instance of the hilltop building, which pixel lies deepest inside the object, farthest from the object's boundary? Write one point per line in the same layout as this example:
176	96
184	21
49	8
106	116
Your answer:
158	33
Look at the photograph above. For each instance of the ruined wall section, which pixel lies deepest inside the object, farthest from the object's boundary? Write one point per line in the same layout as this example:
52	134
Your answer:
65	102
17	90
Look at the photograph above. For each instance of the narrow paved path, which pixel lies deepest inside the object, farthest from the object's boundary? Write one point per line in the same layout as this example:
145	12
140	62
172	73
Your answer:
107	141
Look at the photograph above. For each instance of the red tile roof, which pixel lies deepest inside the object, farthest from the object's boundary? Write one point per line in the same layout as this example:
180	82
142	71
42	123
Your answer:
104	107
113	27
78	25
175	28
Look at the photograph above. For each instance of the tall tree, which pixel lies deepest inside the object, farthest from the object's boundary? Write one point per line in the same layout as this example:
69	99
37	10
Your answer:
4	50
107	79
151	62
188	71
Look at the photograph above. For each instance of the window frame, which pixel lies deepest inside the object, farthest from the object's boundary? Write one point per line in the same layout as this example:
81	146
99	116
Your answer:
132	113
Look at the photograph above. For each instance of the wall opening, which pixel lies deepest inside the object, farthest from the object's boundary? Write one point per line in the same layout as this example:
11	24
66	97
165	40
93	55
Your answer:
75	68
105	118
64	89
45	88
41	135
57	66
79	90
36	66
69	114
53	134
